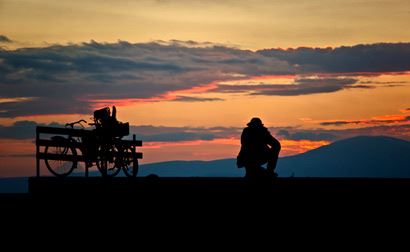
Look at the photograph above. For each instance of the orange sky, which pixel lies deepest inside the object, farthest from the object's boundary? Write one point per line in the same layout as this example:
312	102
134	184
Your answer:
305	112
374	99
250	24
17	156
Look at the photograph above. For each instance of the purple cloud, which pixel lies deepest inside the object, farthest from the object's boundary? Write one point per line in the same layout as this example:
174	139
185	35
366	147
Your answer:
64	79
382	57
69	78
299	87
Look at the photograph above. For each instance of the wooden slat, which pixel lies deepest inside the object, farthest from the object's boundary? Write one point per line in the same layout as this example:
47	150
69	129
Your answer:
130	143
37	152
79	133
62	131
65	157
57	143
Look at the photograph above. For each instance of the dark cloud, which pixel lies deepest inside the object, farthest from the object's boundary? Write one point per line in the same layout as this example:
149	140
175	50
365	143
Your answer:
5	39
149	133
307	135
374	84
383	82
172	134
176	137
300	87
181	98
360	86
398	131
403	119
383	57
65	79
22	130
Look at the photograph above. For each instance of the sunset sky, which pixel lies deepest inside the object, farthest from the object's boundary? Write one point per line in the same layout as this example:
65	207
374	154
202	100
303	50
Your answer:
189	75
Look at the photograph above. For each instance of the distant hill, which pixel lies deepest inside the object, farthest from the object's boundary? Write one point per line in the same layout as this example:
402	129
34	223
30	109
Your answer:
13	185
216	168
363	156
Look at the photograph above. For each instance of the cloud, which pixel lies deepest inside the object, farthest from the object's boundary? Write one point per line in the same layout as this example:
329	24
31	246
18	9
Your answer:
384	82
69	78
382	57
312	135
181	98
385	120
5	39
66	79
301	86
22	130
292	133
148	133
151	133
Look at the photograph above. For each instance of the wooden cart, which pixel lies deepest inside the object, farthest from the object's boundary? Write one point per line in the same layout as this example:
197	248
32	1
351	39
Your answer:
63	148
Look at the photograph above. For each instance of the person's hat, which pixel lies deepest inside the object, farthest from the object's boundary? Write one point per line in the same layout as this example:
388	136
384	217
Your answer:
255	122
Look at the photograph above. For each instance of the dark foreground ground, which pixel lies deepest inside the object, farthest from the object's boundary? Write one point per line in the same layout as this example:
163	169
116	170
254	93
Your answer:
147	192
209	208
217	188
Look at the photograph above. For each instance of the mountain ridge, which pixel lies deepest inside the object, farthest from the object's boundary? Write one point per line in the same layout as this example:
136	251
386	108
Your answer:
361	156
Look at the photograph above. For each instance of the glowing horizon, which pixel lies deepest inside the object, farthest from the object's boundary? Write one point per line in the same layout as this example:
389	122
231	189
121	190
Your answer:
188	75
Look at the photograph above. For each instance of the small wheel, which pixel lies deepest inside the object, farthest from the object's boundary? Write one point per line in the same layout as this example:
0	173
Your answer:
130	164
108	160
60	168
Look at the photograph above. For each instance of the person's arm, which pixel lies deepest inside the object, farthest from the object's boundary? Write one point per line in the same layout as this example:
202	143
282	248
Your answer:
114	113
244	136
273	142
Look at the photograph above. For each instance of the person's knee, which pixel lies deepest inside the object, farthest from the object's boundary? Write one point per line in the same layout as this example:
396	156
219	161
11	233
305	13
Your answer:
275	150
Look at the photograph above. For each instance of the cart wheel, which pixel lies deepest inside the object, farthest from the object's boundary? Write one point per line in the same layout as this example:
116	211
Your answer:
131	164
60	168
108	160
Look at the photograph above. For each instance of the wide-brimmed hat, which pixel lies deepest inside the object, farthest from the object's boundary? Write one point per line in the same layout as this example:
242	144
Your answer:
255	122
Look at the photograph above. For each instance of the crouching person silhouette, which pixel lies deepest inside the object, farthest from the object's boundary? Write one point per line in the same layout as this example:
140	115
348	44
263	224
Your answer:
258	147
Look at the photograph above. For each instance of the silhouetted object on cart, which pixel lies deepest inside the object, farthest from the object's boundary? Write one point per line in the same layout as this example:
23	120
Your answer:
258	147
102	146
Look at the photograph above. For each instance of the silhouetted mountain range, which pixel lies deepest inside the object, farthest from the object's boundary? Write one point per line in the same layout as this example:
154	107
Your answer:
363	156
14	185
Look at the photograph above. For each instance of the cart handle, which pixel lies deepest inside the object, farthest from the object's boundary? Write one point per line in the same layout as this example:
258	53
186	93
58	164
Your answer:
71	125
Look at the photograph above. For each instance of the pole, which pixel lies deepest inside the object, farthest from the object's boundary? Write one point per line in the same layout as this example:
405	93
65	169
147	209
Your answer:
37	153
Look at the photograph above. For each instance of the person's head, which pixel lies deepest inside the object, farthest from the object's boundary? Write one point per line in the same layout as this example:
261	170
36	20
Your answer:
255	122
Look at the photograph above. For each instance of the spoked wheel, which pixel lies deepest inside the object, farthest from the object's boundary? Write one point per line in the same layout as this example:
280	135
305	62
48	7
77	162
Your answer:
108	160
130	163
60	168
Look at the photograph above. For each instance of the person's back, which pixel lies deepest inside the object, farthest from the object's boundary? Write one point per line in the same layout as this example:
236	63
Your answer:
258	147
255	139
